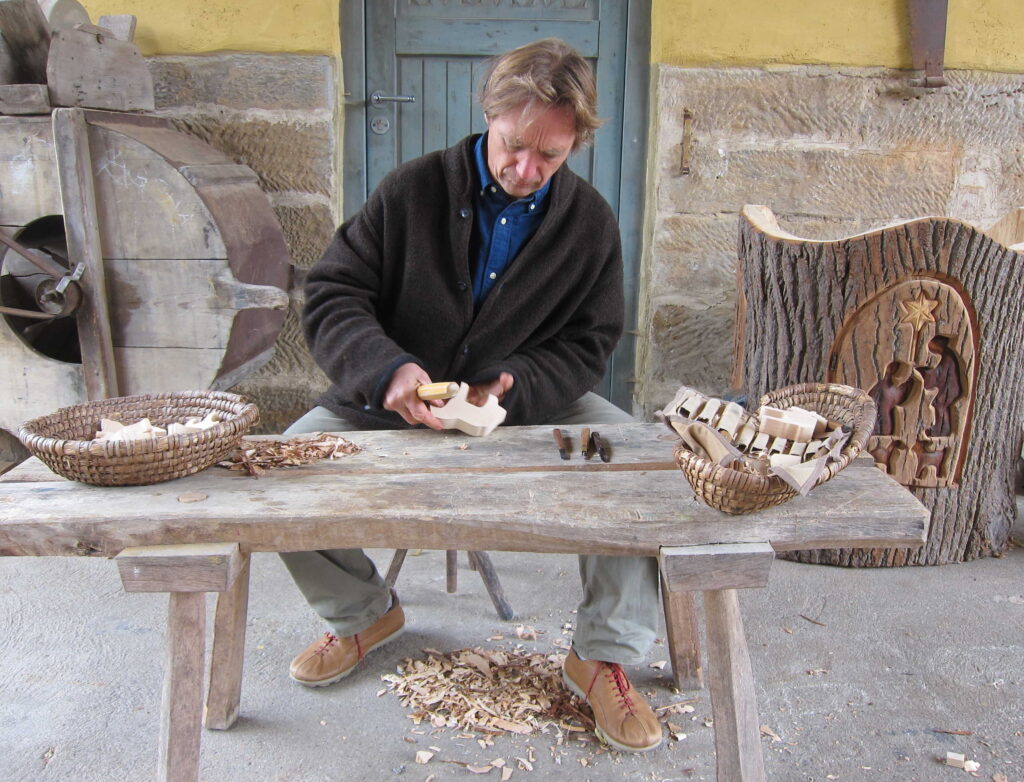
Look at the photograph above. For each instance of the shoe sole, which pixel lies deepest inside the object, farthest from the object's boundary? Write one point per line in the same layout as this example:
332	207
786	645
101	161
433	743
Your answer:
578	692
343	674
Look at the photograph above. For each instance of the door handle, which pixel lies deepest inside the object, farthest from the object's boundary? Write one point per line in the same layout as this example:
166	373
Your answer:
379	97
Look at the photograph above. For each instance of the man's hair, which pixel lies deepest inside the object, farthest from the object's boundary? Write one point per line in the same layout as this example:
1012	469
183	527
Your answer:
547	73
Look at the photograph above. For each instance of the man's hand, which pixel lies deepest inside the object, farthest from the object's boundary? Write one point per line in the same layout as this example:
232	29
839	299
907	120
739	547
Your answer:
401	396
478	393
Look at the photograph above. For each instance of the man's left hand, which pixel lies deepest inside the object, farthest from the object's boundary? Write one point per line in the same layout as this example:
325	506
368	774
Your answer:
479	392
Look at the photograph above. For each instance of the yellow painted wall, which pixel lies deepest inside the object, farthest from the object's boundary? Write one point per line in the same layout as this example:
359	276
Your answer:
196	26
979	35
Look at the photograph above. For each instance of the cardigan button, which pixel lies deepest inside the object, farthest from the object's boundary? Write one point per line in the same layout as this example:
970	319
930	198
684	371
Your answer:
461	286
464	213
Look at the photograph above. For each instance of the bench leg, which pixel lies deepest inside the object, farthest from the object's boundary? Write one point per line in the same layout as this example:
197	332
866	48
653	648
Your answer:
187	571
224	686
181	711
395	567
731	681
485	567
451	560
683	638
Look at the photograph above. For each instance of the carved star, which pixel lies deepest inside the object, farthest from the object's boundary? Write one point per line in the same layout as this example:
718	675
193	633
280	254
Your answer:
919	311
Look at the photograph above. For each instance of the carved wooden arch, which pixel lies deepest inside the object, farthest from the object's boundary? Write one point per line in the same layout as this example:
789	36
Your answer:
803	317
914	348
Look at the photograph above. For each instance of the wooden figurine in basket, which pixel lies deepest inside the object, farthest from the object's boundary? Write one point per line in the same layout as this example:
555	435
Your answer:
739	462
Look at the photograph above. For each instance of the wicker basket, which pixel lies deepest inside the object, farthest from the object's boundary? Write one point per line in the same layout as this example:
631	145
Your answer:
63	440
738	492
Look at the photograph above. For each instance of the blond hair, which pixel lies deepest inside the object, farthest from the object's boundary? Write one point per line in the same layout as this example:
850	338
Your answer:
549	74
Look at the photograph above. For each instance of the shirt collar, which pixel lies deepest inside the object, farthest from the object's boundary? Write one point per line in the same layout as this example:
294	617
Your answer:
487	181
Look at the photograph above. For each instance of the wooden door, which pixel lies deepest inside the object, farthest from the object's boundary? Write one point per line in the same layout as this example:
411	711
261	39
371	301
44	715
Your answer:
423	60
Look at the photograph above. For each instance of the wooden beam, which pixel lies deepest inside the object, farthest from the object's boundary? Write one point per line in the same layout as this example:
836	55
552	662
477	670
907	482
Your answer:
731	681
122	26
224	685
78	200
186	567
24	99
716	566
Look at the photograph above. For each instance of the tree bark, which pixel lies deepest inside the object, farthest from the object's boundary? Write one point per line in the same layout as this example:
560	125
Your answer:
800	298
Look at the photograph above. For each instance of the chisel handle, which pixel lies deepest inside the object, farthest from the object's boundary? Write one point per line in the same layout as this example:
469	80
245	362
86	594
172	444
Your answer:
437	390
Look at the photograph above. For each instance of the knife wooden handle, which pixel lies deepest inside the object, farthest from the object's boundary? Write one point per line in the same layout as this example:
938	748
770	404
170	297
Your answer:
437	390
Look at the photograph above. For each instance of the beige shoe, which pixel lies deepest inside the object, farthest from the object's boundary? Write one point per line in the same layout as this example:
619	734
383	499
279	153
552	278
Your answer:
331	658
623	718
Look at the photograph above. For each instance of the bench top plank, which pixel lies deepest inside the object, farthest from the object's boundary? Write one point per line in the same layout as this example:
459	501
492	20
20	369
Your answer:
420	489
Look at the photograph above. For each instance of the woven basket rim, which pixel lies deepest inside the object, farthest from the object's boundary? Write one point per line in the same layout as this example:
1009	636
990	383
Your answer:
242	413
752	487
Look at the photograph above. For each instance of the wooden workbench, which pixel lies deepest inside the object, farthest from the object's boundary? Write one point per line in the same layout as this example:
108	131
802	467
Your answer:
421	489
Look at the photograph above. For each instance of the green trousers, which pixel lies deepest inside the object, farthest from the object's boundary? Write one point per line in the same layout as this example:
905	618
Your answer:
616	620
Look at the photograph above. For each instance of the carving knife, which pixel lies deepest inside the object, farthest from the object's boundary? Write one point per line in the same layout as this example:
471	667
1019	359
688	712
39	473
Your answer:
444	390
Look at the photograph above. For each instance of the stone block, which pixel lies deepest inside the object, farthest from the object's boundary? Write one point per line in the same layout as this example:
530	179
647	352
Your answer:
696	257
275	82
308	229
288	156
285	387
281	400
753	104
869	108
688	346
831	182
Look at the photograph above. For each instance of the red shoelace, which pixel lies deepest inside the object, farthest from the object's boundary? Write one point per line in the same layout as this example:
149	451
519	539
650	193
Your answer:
328	641
619	682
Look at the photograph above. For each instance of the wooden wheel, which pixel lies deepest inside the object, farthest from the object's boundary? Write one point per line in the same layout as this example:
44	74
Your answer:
193	270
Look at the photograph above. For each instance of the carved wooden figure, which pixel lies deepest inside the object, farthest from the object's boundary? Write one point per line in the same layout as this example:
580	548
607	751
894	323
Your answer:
925	316
913	348
478	421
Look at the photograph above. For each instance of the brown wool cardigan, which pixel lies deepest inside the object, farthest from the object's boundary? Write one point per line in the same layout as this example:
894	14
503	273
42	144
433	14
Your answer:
395	286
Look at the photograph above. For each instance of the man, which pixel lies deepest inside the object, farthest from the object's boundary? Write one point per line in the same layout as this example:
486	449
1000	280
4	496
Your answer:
490	263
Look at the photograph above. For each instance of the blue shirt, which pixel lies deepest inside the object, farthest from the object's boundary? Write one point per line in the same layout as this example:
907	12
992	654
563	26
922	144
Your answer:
503	226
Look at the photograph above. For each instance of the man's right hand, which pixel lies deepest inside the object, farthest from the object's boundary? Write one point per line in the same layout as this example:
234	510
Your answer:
401	398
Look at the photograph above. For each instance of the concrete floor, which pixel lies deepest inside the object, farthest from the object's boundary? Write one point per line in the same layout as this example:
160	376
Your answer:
892	657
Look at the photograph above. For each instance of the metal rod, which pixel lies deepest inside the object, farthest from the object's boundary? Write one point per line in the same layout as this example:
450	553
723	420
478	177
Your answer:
27	313
40	260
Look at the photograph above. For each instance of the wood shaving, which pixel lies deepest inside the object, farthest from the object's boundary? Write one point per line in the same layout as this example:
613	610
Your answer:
526	633
489	691
257	456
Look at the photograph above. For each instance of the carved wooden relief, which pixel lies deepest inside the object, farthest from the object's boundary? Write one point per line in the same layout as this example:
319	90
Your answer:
926	315
914	348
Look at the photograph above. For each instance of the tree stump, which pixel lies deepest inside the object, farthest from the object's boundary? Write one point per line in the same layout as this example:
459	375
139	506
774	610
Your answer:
925	315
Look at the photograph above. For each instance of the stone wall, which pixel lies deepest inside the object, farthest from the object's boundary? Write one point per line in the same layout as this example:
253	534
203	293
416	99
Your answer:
276	114
833	152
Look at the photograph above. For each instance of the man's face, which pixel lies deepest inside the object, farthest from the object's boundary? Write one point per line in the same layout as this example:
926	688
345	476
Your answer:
526	146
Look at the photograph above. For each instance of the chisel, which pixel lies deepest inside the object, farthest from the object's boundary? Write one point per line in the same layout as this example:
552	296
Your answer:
563	446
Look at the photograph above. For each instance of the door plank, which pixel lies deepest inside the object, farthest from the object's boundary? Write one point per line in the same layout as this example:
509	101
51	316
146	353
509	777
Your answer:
442	37
460	99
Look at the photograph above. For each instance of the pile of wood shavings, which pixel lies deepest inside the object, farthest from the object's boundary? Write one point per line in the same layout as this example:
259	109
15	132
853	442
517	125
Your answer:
488	691
257	456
